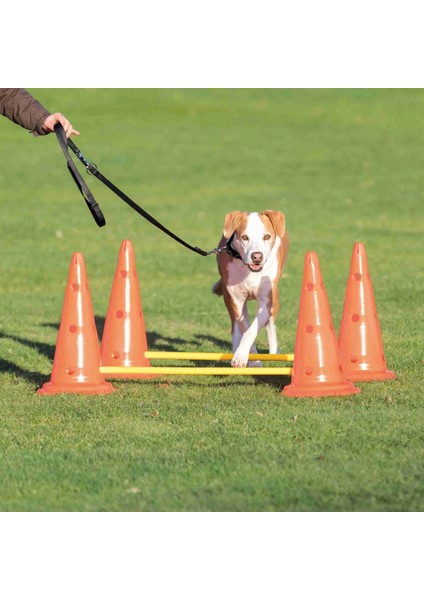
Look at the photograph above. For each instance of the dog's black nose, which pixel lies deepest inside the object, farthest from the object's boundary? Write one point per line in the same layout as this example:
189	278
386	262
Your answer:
257	257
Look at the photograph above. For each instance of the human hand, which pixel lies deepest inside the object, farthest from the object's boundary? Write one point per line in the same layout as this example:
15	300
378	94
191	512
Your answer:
51	121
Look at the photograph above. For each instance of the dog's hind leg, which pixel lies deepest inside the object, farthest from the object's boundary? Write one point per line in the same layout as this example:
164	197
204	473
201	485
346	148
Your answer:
217	288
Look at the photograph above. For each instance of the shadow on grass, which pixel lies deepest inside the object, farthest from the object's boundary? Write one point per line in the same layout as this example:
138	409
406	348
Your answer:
219	343
163	343
158	342
32	377
209	381
154	339
41	347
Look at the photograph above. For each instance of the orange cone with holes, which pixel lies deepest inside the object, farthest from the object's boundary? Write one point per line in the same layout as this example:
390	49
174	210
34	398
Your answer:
360	342
316	369
124	339
77	356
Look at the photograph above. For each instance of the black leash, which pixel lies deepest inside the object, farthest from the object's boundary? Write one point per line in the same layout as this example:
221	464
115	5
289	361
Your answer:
80	183
94	207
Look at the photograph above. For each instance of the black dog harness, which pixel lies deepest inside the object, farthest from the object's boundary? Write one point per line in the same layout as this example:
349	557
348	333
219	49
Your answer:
94	208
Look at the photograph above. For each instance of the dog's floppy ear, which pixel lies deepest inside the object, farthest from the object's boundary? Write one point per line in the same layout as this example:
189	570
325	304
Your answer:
278	221
231	221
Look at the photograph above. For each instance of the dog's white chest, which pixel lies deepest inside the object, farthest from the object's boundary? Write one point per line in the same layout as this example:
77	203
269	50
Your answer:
246	284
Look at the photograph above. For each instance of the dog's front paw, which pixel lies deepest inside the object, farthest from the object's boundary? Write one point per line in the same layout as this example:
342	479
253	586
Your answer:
240	359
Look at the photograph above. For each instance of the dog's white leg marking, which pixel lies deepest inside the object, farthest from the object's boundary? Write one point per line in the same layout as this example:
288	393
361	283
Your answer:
271	332
236	335
253	349
240	324
241	355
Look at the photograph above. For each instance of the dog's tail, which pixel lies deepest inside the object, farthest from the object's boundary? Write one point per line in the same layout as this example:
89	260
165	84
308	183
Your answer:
217	288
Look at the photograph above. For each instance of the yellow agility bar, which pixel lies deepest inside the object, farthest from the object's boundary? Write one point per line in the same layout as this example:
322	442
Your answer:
110	371
214	356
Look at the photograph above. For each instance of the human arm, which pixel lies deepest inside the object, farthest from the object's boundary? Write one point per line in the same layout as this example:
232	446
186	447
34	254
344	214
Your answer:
23	109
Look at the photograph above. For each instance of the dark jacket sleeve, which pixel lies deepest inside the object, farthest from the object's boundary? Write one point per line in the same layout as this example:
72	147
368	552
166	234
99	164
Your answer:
20	107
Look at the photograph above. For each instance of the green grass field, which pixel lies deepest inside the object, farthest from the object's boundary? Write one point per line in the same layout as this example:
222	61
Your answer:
344	166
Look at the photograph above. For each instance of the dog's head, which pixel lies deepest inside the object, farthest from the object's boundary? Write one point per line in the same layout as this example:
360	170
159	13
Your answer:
254	235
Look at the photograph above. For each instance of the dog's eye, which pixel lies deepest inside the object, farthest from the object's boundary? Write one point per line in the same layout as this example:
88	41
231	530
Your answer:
245	238
267	237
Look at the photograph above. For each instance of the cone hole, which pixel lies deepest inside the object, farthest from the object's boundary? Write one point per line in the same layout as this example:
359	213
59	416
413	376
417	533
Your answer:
309	287
309	328
75	287
115	354
73	328
70	371
353	359
308	371
123	273
357	276
119	314
355	318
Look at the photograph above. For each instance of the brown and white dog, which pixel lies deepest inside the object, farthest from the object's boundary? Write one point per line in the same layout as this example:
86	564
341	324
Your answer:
250	270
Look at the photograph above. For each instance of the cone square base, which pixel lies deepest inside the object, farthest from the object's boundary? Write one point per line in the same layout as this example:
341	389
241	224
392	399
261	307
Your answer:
89	389
325	389
369	375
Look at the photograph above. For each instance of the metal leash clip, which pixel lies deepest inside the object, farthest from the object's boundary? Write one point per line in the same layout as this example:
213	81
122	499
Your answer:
89	166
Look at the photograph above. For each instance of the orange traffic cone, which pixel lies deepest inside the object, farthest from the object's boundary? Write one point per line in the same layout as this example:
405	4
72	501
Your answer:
124	339
77	356
316	368
360	342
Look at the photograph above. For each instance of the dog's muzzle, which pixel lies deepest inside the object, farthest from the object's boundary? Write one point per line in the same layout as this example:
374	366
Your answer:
257	262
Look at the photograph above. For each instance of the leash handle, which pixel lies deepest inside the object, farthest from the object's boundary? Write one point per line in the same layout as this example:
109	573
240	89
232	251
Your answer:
79	181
